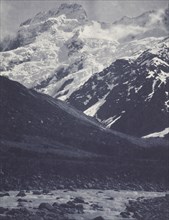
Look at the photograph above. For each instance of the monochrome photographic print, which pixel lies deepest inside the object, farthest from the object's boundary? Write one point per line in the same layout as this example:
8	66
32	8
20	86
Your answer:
84	110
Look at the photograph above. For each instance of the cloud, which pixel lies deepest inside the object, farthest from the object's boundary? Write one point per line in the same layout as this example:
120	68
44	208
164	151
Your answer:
6	10
156	17
15	12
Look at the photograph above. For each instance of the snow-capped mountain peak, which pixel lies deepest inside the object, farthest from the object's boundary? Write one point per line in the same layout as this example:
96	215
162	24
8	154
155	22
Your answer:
154	17
71	11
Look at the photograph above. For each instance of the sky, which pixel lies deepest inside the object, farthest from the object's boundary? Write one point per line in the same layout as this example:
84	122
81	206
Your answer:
14	12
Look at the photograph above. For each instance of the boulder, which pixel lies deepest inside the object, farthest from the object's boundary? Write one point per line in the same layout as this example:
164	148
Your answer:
61	186
36	192
4	194
79	208
97	207
21	193
3	210
110	198
22	200
45	191
46	206
125	214
78	200
36	217
99	218
68	205
167	196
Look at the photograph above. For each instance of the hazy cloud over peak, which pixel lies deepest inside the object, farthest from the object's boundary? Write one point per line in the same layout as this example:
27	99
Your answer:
15	12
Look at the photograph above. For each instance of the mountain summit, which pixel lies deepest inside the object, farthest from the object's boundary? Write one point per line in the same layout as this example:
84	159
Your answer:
71	11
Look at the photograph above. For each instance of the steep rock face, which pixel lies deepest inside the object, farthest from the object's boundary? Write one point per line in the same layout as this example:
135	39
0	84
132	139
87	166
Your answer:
130	95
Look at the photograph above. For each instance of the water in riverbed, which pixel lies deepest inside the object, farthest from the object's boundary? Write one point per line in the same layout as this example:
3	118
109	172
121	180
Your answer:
107	203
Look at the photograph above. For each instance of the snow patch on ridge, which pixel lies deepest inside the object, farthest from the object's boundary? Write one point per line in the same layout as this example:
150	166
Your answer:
94	108
110	121
158	134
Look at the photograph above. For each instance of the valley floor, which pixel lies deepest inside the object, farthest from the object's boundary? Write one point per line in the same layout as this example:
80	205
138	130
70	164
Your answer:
83	205
64	188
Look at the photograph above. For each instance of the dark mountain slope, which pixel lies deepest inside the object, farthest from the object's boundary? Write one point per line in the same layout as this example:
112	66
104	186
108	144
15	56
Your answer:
27	115
31	118
130	96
